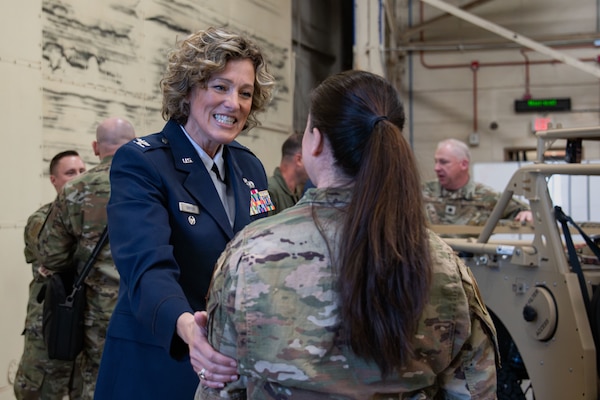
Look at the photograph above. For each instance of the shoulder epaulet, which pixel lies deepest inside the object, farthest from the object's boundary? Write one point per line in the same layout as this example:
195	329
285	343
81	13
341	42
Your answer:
154	141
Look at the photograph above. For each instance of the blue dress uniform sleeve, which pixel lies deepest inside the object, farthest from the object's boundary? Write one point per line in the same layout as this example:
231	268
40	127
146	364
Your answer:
140	232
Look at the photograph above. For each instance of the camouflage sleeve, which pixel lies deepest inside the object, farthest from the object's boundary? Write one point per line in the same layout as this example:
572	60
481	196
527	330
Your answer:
472	373
428	190
31	232
513	208
222	307
56	241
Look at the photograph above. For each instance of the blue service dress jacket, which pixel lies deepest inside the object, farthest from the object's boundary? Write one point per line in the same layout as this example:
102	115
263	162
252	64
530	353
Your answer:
167	227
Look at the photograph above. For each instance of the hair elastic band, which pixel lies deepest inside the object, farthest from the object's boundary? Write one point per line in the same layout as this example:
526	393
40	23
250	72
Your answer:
376	120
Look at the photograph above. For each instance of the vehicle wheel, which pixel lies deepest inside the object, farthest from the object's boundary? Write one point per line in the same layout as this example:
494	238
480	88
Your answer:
512	372
509	386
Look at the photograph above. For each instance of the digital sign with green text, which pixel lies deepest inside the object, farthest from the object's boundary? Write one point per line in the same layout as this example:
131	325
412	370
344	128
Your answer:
543	105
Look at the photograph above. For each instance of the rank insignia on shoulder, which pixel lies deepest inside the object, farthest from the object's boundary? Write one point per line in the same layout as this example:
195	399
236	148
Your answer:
260	202
141	142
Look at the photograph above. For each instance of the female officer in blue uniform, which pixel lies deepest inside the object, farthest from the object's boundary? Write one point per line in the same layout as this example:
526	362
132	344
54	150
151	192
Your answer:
177	197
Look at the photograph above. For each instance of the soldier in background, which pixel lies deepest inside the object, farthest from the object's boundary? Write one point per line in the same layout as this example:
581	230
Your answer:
70	233
455	199
38	377
286	185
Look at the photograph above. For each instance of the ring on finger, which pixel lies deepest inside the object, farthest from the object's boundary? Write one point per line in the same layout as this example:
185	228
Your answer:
201	373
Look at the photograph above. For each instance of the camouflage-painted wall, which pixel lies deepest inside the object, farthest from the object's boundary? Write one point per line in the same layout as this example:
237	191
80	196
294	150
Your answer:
108	59
65	65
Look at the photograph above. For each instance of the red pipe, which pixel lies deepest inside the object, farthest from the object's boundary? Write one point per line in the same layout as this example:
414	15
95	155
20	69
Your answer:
494	64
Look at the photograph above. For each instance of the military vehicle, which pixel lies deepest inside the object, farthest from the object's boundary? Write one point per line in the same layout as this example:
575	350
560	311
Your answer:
543	301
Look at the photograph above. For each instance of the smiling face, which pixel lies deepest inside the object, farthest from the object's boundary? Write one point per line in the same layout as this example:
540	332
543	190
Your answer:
218	112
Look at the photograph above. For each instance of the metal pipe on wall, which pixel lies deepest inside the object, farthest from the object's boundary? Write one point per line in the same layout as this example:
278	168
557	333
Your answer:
482	23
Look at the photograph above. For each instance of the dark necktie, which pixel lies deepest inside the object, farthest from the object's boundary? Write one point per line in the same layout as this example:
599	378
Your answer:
216	171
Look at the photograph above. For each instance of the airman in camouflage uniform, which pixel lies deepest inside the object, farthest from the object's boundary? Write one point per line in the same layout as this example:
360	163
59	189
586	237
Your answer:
455	199
289	173
273	306
470	205
69	235
38	377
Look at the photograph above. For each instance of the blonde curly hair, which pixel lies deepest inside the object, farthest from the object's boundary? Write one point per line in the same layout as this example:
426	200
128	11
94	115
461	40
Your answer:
194	61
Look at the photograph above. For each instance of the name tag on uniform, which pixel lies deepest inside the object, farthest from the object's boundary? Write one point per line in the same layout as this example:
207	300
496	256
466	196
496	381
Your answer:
450	210
188	208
